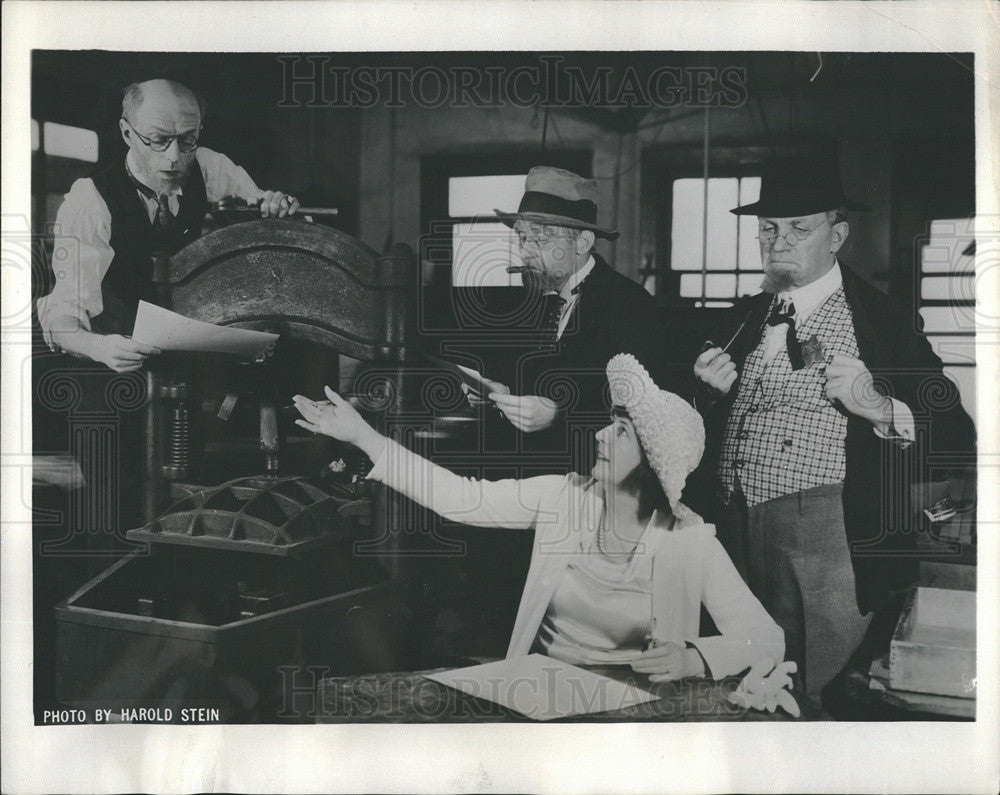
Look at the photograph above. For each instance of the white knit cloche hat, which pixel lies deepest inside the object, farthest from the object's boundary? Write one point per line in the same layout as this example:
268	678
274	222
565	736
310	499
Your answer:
670	430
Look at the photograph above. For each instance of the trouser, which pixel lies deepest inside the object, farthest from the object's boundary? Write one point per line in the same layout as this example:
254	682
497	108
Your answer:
793	553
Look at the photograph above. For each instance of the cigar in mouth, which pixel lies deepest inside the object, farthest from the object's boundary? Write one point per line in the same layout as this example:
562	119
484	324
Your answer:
518	269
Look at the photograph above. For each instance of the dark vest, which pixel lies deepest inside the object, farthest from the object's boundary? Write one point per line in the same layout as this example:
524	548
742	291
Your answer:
134	241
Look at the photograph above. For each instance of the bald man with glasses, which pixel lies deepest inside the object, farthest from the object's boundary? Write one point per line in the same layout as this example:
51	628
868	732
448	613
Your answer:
813	392
153	200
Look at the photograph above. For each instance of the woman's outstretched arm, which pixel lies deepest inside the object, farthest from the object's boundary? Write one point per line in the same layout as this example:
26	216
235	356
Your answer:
502	503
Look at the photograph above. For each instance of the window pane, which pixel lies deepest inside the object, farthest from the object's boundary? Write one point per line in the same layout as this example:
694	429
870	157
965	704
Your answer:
749	191
720	285
723	195
481	195
749	247
948	239
949	231
954	350
481	253
686	229
34	135
949	318
749	283
74	142
948	288
714	304
717	285
938	258
965	378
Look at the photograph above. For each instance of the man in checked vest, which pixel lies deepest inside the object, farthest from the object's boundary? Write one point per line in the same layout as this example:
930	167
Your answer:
823	402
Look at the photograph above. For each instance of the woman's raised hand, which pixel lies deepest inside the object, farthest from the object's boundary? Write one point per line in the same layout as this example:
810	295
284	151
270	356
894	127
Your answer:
336	418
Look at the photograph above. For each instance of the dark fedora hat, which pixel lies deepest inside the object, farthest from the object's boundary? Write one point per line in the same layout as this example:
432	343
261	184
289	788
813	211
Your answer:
560	198
800	186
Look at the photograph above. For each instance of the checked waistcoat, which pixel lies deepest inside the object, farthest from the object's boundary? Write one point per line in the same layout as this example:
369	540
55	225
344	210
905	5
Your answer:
783	435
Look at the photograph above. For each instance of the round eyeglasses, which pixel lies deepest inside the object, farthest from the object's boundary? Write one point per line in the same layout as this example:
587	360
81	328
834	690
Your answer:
538	234
792	237
187	142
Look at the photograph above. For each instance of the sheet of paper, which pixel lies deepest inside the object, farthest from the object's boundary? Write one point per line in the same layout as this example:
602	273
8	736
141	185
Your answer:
542	688
473	378
170	331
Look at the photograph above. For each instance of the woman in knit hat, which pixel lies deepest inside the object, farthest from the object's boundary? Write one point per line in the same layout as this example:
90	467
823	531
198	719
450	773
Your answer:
620	567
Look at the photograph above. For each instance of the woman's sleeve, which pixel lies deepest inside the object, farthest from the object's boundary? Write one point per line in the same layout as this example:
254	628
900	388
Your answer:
748	633
500	503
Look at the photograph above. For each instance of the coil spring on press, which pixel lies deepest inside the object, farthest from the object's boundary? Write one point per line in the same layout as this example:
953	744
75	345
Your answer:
180	428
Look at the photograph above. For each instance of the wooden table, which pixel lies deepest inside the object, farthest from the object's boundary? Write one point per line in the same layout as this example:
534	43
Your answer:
410	698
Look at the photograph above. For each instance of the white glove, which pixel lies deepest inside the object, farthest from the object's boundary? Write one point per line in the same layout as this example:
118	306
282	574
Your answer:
758	691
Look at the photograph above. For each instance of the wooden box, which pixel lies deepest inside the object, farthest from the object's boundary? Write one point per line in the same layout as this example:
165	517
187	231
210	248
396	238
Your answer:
934	647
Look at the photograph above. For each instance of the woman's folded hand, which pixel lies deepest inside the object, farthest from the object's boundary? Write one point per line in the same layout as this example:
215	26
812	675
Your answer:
668	662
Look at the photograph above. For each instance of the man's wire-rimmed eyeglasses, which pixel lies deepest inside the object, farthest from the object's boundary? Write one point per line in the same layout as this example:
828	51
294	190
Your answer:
768	235
187	142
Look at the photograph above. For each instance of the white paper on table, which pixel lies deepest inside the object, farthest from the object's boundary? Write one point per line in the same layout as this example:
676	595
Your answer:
170	331
542	688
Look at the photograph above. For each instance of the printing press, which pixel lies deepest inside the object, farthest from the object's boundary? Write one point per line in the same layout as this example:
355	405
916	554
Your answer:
256	558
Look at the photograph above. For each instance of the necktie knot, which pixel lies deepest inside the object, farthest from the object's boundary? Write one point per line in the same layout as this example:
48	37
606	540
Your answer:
164	218
552	307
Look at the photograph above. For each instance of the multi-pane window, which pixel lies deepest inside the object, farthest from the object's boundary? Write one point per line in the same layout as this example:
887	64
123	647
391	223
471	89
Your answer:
482	247
714	251
947	299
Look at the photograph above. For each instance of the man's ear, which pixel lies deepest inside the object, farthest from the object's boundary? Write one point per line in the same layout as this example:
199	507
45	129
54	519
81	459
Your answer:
123	126
840	232
585	241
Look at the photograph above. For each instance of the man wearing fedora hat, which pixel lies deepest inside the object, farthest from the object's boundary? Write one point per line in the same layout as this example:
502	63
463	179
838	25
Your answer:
587	313
813	409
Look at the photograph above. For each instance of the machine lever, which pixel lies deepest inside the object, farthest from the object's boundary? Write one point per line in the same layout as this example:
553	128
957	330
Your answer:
234	204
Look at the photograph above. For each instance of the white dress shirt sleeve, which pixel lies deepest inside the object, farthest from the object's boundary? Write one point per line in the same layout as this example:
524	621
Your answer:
224	178
81	255
82	252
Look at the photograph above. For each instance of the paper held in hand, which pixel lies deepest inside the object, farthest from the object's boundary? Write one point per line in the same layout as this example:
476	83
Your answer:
170	331
542	688
472	378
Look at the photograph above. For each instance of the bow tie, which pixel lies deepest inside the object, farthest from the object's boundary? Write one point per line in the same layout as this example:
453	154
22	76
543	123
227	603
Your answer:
784	312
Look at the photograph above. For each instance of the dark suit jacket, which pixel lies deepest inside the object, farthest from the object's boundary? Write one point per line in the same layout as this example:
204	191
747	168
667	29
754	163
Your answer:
613	315
878	511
